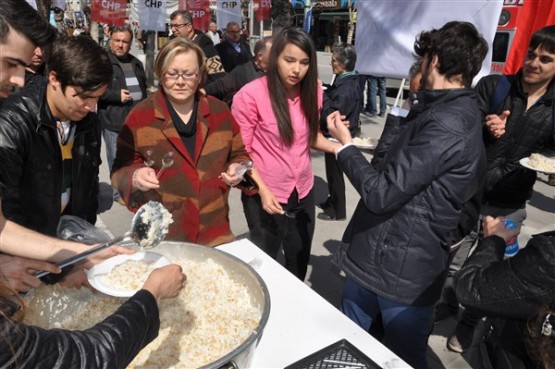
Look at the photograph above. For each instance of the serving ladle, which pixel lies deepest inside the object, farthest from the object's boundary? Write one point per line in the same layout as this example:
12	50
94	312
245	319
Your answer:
148	229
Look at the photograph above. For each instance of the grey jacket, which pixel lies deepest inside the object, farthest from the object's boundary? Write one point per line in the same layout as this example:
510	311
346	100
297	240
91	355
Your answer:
111	111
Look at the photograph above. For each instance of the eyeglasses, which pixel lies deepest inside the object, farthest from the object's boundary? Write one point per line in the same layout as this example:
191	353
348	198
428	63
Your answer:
174	76
178	26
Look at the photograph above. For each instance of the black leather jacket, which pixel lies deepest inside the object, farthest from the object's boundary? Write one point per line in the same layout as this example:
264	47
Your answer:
111	111
508	184
31	170
508	292
110	344
402	228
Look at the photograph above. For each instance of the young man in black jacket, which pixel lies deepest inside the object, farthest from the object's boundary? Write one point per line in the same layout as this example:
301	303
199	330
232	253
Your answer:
399	236
50	139
520	124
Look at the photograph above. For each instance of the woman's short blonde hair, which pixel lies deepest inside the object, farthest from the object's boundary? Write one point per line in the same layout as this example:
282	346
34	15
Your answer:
175	47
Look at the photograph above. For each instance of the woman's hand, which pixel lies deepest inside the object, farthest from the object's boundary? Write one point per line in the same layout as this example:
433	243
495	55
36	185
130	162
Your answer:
269	203
144	179
230	177
165	282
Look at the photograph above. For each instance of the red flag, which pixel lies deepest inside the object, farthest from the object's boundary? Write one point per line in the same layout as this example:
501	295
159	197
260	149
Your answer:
200	10
535	14
262	9
109	12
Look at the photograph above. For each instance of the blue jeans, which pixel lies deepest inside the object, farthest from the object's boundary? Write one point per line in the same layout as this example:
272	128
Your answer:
110	140
376	85
406	327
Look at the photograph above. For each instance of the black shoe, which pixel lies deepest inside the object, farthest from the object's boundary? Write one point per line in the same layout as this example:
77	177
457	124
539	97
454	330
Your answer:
326	216
381	115
444	311
462	339
323	205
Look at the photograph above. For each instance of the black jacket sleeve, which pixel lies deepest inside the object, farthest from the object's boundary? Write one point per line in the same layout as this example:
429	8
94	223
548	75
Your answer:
111	344
514	288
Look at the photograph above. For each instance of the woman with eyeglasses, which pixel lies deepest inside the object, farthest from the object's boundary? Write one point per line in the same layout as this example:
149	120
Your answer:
181	148
279	119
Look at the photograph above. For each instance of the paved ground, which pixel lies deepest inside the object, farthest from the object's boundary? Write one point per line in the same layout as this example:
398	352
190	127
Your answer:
328	281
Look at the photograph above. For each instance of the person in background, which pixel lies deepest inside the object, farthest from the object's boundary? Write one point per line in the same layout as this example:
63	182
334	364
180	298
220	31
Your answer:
126	89
233	50
397	242
374	86
181	148
507	291
34	73
225	88
279	119
245	34
520	120
213	33
112	343
107	36
345	97
395	119
181	25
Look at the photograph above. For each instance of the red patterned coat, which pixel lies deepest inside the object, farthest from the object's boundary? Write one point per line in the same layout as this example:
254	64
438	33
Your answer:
190	189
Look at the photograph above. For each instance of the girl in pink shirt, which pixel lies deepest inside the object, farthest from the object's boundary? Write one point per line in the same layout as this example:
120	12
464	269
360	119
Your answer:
278	115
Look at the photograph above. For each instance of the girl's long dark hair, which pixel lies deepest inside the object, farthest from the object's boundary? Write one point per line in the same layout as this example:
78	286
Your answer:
308	85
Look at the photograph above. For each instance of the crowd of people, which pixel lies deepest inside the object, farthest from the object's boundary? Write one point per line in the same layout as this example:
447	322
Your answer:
433	201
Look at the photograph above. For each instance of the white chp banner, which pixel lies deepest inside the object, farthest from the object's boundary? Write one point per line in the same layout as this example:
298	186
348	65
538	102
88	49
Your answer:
386	30
152	15
228	11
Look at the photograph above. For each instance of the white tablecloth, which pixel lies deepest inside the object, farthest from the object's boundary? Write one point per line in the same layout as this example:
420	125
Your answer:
301	322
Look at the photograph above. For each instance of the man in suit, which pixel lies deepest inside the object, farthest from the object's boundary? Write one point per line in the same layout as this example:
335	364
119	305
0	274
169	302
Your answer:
233	50
181	25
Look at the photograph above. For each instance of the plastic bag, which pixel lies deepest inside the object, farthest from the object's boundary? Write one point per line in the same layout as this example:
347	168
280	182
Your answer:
77	229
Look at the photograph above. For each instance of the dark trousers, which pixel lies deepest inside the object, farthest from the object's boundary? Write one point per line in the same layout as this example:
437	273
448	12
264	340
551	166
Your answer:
406	327
336	203
271	232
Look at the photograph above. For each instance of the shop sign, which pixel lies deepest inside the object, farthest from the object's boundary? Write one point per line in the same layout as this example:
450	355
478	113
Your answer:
326	4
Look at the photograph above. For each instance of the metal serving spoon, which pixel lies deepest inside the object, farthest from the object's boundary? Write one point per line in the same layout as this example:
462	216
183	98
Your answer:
148	228
167	161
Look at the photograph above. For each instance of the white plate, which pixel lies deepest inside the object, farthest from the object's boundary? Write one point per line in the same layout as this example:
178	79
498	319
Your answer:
372	145
525	162
96	273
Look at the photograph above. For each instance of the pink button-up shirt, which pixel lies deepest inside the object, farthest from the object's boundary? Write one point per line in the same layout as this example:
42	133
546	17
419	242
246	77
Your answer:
282	167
